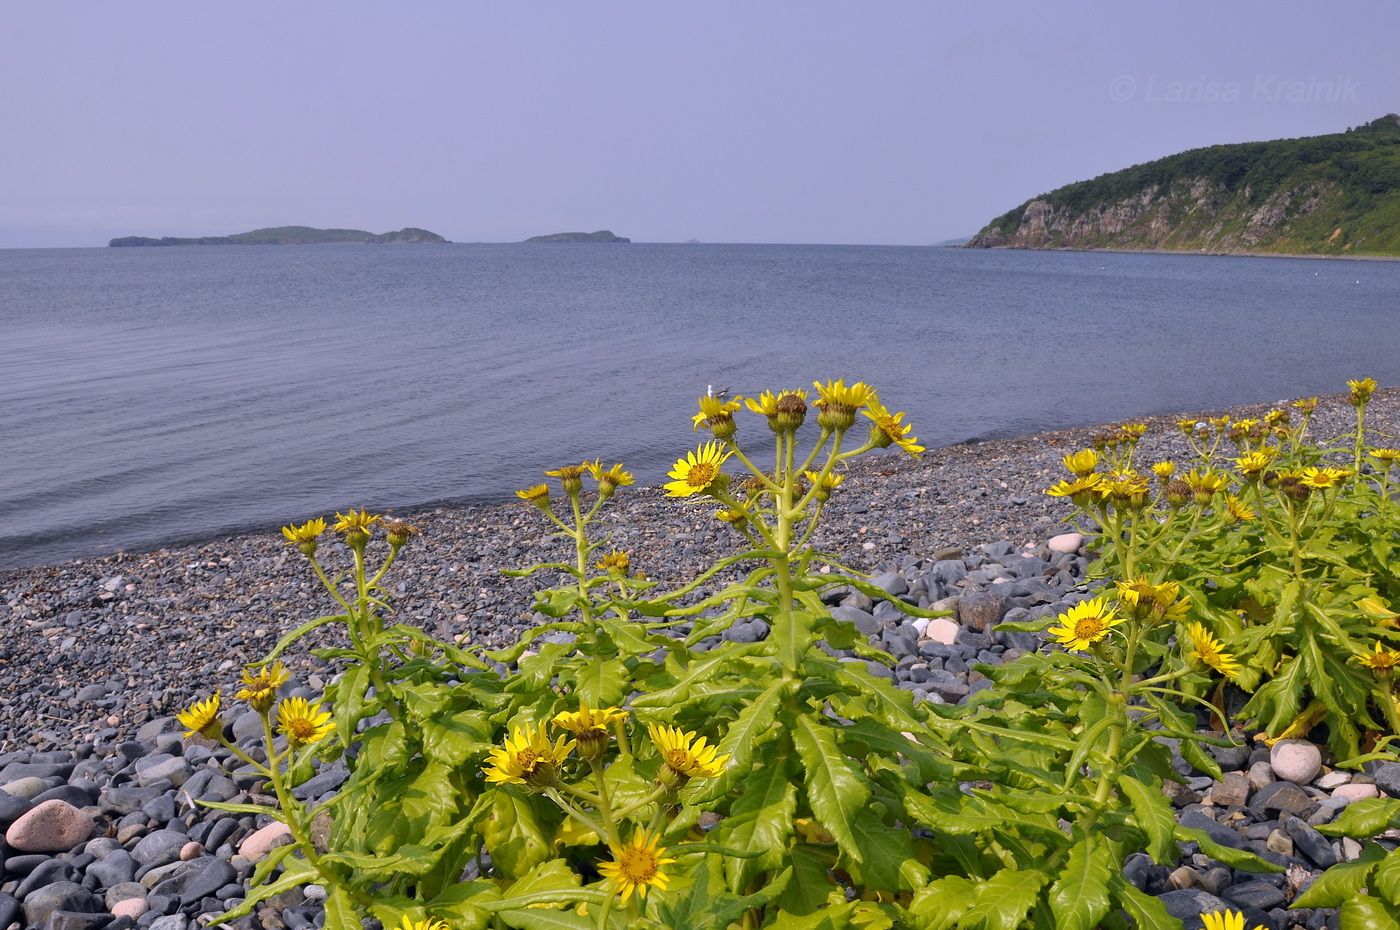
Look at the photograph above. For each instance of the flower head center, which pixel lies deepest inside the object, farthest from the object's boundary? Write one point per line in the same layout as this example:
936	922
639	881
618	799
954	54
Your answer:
701	474
638	865
1089	628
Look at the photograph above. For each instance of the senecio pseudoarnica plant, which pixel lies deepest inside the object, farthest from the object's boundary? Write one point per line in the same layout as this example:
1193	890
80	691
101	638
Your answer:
1285	548
615	775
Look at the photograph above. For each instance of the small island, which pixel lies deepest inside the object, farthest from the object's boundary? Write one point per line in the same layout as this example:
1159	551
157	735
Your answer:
602	235
289	235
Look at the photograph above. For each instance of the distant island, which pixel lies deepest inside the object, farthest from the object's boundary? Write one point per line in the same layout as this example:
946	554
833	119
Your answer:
602	235
288	235
1336	194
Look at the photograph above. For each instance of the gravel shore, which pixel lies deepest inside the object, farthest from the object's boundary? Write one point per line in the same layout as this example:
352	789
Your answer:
94	648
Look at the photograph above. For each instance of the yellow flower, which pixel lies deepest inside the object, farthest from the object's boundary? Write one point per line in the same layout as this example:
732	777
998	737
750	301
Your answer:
1361	391
1276	417
685	756
636	865
824	485
303	722
616	561
588	720
609	479
1085	623
1132	432
1081	463
1238	510
1323	478
1383	661
1388	456
695	473
1305	404
838	403
1208	650
355	526
1153	601
1124	487
432	923
260	687
1206	484
528	758
398	532
1164	470
304	536
202	718
785	410
589	726
570	476
717	415
886	429
1219	422
1225	920
1187	425
735	518
1078	489
537	494
1255	463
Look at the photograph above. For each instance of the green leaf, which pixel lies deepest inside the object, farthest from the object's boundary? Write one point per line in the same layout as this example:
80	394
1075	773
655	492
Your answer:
1079	897
1153	814
240	808
939	904
1200	760
836	789
513	834
810	883
750	730
759	821
340	913
837	917
1341	883
1363	819
1234	858
1147	912
600	682
454	738
351	700
1364	912
887	858
297	872
1385	881
1005	899
539	919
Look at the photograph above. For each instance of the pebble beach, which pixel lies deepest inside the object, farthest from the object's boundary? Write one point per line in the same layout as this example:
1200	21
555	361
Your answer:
97	655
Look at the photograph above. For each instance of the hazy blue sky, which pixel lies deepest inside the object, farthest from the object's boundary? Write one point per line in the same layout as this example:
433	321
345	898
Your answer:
766	122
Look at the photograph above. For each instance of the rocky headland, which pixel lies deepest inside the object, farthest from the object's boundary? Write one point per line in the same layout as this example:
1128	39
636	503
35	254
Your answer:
602	235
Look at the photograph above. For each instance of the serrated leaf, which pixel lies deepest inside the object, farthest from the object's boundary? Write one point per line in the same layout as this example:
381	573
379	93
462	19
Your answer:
940	904
1385	881
1147	912
760	820
1362	820
1079	897
836	789
750	730
1341	883
1153	815
340	912
811	881
1234	858
1004	900
1200	760
887	859
548	920
1364	912
601	681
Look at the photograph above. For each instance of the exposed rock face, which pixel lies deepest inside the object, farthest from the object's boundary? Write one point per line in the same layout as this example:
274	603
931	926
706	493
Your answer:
1193	214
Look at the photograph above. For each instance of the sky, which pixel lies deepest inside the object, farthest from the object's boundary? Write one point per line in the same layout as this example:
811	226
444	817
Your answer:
782	121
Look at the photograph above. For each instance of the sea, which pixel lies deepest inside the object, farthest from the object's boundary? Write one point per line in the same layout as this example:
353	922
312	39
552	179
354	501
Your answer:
152	396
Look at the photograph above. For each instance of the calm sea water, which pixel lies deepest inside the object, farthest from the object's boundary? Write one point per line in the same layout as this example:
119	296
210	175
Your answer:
151	396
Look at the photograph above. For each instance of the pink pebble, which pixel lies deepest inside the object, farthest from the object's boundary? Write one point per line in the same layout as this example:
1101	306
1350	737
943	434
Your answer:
130	907
191	850
1351	793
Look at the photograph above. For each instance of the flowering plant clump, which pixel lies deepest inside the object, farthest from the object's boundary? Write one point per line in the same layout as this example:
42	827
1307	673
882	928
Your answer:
1284	548
607	772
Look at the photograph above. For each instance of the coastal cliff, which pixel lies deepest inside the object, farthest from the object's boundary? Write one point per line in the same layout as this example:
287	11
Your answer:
1336	194
288	235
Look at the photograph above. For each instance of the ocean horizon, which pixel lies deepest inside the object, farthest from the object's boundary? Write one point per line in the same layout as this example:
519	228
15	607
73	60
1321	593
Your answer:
160	395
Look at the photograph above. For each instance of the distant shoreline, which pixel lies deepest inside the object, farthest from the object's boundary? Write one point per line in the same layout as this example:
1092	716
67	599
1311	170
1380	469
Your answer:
1191	252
